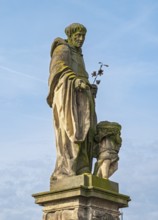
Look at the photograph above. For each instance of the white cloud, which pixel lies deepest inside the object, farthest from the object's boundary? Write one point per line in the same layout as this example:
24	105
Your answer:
137	177
122	34
20	181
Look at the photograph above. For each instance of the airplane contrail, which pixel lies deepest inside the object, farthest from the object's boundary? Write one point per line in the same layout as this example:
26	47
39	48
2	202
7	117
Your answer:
21	74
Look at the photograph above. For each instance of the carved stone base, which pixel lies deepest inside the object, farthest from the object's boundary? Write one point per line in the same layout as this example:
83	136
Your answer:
83	197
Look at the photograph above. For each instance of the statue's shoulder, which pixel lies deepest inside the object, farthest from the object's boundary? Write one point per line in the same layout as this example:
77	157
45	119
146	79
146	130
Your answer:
59	42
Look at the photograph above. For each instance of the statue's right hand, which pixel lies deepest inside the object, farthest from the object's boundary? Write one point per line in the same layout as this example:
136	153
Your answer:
80	85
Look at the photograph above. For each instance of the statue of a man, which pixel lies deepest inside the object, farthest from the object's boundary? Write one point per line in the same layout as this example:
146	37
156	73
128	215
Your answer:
71	97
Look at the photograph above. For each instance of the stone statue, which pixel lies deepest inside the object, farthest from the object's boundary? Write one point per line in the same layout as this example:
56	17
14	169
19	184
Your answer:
71	97
107	149
74	192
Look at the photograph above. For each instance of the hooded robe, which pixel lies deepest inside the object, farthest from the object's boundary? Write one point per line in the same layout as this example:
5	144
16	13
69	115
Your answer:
73	110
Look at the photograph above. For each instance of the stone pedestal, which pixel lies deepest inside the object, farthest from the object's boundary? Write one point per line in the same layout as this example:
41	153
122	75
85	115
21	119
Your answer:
83	197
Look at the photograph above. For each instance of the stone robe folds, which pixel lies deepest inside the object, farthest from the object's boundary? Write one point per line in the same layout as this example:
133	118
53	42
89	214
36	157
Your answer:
74	111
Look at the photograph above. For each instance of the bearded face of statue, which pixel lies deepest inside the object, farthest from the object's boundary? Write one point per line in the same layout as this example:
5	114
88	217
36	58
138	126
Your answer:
77	39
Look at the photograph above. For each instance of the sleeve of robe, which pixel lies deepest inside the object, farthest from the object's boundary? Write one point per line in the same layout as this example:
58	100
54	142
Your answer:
71	106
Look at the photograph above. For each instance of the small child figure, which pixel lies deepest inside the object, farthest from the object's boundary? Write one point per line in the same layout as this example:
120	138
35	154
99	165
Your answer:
106	151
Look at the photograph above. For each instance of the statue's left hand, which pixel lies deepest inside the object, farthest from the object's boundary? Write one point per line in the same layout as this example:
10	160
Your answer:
81	85
94	90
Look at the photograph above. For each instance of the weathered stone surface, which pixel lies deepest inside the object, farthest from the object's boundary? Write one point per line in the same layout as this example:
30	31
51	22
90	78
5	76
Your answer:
107	148
72	99
78	214
87	198
88	181
76	194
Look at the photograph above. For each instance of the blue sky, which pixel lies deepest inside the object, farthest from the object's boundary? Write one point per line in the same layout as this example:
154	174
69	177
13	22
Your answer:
123	34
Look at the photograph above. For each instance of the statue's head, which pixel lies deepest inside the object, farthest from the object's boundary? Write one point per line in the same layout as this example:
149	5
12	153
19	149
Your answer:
76	34
111	130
